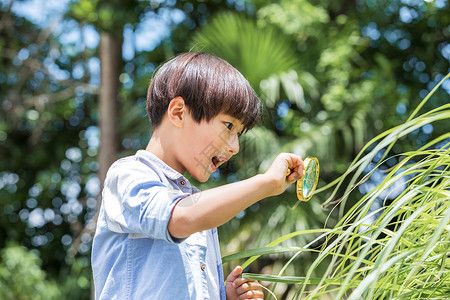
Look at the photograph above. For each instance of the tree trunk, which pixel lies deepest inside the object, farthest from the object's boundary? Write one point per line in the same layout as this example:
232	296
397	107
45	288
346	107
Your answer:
110	58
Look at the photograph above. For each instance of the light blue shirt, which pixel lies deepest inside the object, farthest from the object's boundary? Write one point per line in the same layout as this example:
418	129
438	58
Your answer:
133	254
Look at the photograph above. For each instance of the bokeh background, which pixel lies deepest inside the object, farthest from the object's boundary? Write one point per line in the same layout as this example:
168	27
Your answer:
73	81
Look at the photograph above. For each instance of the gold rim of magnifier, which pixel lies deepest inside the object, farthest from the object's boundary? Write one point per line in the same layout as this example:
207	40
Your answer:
306	163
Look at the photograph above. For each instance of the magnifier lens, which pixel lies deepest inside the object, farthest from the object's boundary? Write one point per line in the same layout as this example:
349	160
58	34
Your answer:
309	179
307	185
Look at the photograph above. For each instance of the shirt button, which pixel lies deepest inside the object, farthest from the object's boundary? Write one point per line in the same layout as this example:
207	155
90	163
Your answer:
183	182
203	267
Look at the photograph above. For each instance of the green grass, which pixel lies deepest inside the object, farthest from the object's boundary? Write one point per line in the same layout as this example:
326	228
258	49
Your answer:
404	251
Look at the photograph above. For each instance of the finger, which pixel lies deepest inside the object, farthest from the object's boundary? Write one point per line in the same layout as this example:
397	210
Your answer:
294	176
250	286
252	294
296	173
294	165
299	169
247	284
240	281
234	274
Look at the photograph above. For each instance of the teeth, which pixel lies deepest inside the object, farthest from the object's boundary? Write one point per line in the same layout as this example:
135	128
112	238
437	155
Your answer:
217	160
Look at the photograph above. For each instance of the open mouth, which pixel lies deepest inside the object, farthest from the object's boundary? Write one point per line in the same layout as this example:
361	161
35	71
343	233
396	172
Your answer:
217	161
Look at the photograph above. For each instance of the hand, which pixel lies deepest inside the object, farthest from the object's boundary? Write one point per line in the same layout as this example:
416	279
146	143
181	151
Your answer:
277	171
241	288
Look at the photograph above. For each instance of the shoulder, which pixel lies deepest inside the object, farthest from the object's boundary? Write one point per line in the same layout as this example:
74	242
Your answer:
130	170
131	166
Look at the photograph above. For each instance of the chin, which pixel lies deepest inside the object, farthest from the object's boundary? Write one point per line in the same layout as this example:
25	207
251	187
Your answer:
203	178
200	174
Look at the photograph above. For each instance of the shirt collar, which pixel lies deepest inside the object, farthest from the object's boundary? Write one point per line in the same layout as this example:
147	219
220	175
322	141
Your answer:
155	161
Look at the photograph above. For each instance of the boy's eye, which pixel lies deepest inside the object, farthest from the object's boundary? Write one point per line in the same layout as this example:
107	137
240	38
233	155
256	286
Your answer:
229	125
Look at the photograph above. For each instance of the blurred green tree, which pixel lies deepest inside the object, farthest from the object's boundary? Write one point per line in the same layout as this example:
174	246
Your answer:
21	277
46	108
50	79
331	75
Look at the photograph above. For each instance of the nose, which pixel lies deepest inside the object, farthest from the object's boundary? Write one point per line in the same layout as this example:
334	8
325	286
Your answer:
233	144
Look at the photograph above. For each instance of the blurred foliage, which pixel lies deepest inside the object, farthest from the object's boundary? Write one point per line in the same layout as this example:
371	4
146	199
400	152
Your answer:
351	89
331	75
392	243
21	277
246	46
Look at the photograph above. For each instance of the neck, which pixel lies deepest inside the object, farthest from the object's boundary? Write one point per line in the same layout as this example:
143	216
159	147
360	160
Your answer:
161	146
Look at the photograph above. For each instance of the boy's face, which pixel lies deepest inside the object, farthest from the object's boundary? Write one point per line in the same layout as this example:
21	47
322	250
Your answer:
205	146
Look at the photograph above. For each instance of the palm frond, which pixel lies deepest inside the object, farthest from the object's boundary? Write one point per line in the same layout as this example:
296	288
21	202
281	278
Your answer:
265	56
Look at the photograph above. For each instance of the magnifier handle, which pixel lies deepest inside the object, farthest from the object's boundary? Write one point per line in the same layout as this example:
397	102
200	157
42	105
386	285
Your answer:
288	172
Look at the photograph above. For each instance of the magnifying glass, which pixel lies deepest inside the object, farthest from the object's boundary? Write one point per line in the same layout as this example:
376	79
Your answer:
307	184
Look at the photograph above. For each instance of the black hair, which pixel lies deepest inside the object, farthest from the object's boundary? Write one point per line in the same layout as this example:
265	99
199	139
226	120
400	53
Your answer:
209	85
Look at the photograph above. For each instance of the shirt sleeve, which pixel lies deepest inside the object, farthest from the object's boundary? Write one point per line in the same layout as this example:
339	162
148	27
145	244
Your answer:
140	206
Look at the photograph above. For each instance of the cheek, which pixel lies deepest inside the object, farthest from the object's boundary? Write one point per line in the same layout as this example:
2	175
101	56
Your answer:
204	141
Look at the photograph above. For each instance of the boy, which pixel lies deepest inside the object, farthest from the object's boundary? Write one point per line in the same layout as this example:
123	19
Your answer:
156	235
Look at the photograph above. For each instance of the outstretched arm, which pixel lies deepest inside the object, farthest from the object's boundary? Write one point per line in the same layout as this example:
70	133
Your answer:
214	207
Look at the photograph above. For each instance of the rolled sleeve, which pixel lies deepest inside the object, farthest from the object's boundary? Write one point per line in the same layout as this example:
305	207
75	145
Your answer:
155	210
143	209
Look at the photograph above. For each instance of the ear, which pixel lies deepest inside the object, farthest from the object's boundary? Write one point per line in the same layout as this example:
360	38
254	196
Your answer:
177	111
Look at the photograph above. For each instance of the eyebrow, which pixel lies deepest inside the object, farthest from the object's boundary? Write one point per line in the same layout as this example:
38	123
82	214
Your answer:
235	120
